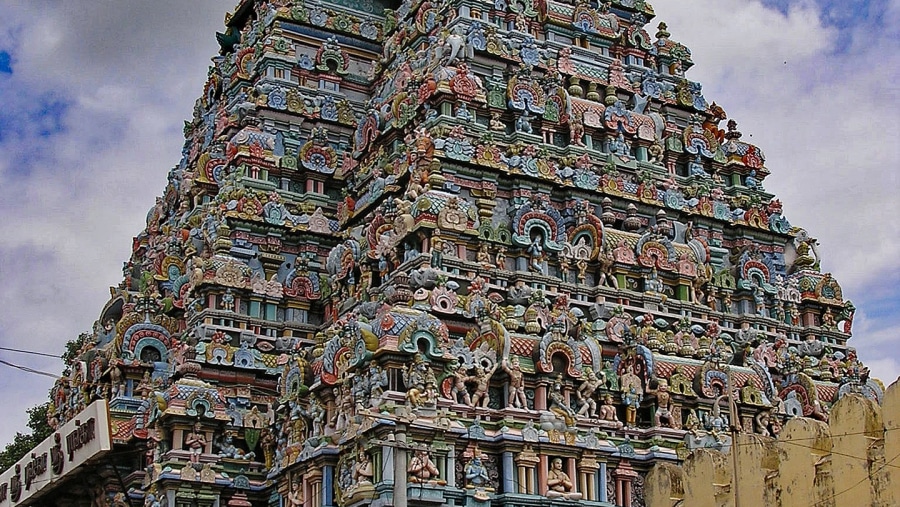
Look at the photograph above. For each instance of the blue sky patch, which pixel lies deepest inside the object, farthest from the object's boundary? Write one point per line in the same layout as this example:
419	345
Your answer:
5	63
844	15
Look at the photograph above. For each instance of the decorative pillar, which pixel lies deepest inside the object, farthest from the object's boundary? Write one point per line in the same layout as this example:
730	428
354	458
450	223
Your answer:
509	473
587	477
542	468
527	463
387	464
624	476
540	397
400	465
313	488
450	469
641	153
328	486
572	473
601	483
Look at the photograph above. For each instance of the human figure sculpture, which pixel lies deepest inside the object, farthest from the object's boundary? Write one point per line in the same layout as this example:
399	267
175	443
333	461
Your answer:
536	251
377	382
558	483
516	393
344	402
462	112
652	283
118	386
581	268
564	267
632	401
362	470
828	321
420	382
295	497
577	130
496	123
619	147
664	406
483	257
227	449
558	403
500	258
632	395
585	395
317	415
608	413
437	256
195	443
482	380
751	181
476	473
607	261
523	123
459	385
421	468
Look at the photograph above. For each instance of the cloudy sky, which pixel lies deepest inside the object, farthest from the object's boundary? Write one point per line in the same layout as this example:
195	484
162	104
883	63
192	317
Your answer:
93	96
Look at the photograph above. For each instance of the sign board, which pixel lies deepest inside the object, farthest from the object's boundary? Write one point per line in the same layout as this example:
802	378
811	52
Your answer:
87	435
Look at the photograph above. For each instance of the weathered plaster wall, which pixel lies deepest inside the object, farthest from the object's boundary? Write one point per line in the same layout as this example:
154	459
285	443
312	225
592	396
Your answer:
853	460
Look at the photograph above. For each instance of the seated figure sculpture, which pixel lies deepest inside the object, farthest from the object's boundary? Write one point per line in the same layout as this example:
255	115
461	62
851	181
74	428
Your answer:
422	469
607	413
558	483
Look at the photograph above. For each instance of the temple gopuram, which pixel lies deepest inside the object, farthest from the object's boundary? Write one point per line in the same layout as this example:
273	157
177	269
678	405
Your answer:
450	253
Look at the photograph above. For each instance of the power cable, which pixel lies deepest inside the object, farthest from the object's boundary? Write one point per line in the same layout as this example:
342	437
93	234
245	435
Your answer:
28	370
793	440
827	501
32	352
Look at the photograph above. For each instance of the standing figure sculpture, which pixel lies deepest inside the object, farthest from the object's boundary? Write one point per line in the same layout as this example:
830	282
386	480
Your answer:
632	395
460	375
482	381
585	395
607	277
195	443
516	394
536	251
664	406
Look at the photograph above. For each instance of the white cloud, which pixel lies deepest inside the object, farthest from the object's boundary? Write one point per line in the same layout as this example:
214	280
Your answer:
131	70
825	112
129	73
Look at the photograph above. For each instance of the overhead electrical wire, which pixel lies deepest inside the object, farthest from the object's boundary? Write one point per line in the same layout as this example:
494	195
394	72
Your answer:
28	370
32	352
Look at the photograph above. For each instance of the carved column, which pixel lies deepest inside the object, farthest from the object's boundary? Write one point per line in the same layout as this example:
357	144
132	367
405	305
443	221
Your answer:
327	494
526	464
510	472
400	466
313	487
387	464
540	397
587	477
624	476
449	470
542	468
601	481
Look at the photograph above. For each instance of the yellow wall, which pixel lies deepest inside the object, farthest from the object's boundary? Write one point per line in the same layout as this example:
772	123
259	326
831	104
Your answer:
853	460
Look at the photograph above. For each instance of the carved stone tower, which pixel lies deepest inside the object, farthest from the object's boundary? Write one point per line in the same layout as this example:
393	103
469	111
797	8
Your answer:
461	253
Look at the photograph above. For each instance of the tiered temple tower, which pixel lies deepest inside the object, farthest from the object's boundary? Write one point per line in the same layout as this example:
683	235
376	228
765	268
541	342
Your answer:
455	253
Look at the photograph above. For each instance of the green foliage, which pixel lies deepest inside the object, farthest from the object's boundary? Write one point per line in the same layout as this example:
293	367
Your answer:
22	443
72	348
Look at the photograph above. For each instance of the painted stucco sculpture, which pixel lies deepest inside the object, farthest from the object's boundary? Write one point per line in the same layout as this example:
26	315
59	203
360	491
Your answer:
448	250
